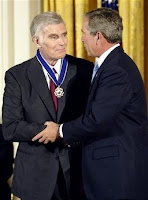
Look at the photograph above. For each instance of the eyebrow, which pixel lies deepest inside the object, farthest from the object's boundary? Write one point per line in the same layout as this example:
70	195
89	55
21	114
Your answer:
65	32
54	34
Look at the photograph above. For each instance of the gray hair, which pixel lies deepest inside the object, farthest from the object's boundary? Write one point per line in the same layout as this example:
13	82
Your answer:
106	21
42	20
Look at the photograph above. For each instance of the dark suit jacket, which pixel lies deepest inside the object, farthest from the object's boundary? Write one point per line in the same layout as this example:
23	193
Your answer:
27	105
114	132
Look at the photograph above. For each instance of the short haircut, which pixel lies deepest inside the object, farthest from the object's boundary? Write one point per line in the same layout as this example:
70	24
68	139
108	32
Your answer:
106	21
42	20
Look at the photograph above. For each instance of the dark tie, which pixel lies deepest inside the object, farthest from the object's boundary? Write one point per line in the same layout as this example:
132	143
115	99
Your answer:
52	90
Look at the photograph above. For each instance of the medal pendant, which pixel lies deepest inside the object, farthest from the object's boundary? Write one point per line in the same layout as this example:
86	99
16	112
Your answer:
59	92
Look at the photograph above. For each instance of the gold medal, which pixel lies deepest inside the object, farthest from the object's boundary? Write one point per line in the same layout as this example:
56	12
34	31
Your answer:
59	92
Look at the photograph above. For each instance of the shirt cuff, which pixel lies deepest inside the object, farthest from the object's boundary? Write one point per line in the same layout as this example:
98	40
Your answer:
60	130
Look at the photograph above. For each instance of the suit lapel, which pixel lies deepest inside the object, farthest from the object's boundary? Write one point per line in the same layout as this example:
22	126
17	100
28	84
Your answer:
71	72
38	81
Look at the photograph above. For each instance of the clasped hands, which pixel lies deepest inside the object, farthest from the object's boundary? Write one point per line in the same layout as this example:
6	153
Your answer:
49	134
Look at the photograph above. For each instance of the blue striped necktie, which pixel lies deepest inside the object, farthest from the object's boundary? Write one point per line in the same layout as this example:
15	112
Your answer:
95	71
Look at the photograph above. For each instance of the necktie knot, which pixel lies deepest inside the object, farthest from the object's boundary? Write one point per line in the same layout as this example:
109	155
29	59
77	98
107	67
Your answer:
54	70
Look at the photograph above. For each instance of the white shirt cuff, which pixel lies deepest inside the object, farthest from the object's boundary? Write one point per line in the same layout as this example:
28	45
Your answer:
60	130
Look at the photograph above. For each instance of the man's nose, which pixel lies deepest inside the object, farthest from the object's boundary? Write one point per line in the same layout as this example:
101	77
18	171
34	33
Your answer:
62	41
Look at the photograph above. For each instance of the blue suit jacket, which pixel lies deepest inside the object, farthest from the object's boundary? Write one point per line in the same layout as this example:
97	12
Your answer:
114	132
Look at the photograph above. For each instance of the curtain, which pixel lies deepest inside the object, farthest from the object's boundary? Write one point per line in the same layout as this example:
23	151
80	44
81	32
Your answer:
130	10
15	41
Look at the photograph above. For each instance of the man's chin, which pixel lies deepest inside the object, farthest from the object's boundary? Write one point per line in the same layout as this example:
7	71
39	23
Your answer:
61	55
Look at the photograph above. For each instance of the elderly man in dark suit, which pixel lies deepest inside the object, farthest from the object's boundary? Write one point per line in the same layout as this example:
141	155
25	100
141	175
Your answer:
52	86
113	129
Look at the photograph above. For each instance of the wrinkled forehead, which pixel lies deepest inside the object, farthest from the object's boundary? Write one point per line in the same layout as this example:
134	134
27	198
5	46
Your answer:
54	28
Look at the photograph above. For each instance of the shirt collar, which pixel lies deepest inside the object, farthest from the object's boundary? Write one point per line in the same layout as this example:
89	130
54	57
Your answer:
101	59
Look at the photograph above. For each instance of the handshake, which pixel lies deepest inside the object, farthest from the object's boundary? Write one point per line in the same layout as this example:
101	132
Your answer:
49	134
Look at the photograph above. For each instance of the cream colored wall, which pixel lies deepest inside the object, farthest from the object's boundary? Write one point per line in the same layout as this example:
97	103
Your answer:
15	41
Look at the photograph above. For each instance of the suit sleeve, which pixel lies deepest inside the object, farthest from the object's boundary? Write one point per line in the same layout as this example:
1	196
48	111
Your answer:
108	96
15	127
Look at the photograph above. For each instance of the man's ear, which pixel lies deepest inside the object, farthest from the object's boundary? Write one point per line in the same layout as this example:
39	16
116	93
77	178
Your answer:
36	41
98	37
